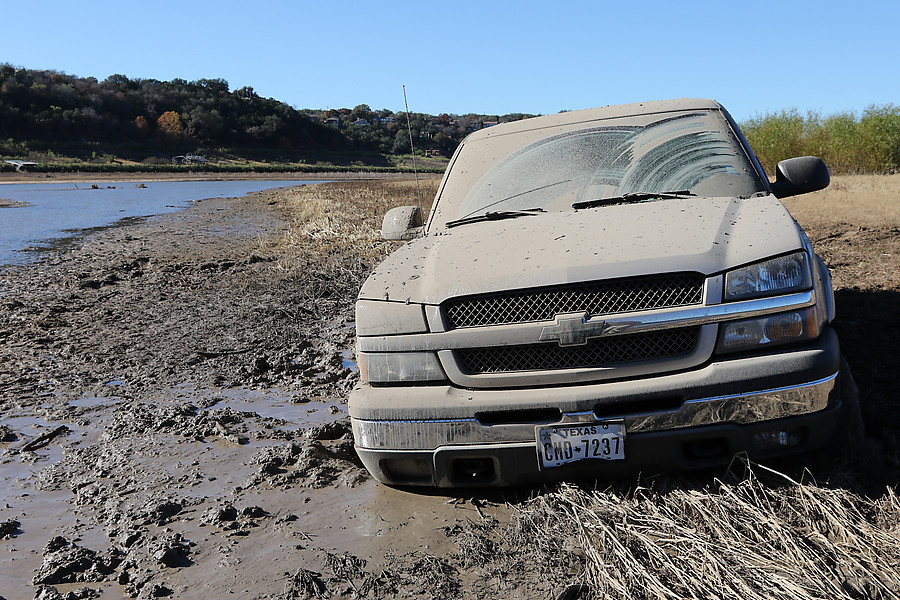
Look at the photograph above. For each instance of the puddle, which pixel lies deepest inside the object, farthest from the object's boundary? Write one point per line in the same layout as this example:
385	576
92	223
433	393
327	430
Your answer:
41	516
29	426
292	410
348	362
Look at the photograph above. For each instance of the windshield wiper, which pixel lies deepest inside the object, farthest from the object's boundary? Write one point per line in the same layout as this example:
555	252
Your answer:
632	197
495	216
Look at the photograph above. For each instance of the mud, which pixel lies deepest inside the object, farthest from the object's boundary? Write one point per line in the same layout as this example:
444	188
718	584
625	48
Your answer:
174	424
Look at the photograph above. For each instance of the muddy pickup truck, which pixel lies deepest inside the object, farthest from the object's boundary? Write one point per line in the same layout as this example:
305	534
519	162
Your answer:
597	293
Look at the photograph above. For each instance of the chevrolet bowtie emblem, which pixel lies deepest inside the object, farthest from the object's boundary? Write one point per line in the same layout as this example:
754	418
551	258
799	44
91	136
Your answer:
573	329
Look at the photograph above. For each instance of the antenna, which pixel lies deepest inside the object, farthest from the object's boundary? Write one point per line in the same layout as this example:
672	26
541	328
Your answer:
413	151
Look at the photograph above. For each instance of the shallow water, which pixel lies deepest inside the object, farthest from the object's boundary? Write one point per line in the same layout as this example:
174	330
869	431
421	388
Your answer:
272	404
41	214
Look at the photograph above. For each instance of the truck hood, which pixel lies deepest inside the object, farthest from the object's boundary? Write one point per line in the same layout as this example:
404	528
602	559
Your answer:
704	235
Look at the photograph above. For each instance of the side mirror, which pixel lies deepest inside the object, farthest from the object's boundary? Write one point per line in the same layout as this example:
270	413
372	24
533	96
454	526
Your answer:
402	223
800	176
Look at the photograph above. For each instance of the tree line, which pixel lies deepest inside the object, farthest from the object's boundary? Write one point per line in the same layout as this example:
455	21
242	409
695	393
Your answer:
45	110
48	108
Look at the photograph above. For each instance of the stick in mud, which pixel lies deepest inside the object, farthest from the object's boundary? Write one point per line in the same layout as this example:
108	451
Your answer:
44	439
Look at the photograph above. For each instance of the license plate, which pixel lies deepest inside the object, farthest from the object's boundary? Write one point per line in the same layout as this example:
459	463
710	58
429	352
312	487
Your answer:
562	444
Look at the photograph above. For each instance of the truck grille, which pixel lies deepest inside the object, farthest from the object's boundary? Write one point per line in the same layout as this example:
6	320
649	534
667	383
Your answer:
598	352
597	298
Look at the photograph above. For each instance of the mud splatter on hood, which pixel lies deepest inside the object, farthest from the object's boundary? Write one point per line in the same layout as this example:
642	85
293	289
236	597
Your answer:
707	235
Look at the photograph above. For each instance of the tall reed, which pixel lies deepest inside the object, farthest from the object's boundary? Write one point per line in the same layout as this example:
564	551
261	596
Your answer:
849	143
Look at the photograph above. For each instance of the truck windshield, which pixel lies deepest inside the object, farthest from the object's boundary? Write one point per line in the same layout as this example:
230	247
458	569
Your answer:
554	168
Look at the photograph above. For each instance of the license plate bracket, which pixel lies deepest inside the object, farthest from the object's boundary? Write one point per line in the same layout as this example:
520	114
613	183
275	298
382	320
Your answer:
559	445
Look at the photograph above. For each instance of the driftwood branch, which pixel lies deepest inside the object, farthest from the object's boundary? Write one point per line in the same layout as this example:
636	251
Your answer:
44	439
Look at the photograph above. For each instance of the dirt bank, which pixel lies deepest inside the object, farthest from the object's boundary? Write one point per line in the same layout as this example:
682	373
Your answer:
173	424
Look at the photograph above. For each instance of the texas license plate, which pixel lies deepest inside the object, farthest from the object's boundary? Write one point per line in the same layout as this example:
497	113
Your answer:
562	444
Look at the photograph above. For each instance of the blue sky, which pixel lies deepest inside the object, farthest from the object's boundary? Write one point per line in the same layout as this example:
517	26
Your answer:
483	57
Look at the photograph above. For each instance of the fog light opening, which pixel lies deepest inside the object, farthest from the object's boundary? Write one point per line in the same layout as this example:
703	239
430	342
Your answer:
706	449
779	439
407	469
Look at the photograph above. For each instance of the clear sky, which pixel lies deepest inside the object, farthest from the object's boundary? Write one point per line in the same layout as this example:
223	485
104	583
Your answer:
482	57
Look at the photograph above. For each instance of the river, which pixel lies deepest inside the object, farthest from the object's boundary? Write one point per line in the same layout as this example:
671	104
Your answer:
38	217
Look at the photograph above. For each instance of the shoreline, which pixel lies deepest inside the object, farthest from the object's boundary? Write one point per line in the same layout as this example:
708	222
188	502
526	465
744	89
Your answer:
19	177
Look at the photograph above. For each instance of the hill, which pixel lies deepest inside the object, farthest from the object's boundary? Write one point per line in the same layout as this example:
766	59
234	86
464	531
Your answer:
66	123
59	119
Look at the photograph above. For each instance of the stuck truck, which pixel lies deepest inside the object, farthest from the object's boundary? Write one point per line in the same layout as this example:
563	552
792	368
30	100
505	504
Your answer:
596	293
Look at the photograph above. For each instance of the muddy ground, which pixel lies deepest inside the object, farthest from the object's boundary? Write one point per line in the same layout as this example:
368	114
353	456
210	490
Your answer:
173	396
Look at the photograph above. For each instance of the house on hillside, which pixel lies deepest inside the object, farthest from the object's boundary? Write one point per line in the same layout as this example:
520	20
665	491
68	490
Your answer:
189	159
333	121
20	165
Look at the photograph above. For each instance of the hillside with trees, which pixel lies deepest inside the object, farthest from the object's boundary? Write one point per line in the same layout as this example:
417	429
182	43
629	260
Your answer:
64	122
48	116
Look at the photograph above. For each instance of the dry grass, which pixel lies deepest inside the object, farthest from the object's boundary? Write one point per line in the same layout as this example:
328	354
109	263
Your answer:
345	217
333	240
862	200
747	540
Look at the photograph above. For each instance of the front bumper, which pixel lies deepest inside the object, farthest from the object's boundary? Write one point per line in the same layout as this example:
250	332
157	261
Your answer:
765	405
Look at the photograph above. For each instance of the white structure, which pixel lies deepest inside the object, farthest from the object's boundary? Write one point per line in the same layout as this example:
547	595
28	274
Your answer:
20	164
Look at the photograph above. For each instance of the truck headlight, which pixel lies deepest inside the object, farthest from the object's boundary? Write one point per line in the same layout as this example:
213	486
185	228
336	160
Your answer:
783	328
397	367
769	278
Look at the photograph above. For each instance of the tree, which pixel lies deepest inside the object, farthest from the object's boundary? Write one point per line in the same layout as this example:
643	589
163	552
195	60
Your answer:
118	81
205	125
361	111
6	71
217	86
401	142
170	126
245	93
140	122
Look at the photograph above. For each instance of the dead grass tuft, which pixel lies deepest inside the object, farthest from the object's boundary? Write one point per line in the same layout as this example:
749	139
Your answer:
747	540
332	241
337	225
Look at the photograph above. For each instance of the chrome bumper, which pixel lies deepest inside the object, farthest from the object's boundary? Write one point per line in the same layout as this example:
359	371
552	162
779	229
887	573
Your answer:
739	409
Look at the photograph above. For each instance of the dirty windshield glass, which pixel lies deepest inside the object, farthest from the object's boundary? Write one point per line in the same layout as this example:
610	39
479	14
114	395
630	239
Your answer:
556	167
